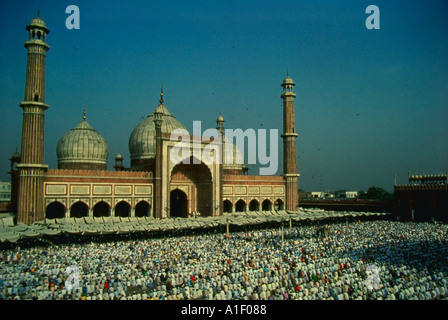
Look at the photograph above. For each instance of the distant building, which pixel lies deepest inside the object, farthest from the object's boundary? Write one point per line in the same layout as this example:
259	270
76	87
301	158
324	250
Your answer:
425	198
346	194
5	192
322	195
316	195
351	194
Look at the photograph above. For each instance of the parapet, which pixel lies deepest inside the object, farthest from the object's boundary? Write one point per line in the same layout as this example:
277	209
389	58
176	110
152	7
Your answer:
418	187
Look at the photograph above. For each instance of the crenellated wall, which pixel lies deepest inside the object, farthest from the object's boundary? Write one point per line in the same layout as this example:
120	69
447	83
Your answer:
425	198
421	187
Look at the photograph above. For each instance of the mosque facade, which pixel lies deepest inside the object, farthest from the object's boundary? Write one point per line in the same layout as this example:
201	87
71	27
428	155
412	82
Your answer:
154	185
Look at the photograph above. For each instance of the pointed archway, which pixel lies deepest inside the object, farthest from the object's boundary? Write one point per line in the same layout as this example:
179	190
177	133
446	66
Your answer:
178	204
122	209
196	178
240	206
101	209
279	204
79	209
266	205
142	209
55	210
227	206
254	205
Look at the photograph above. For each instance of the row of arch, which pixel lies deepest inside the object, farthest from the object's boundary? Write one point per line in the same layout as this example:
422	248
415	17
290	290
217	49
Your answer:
33	35
56	210
254	205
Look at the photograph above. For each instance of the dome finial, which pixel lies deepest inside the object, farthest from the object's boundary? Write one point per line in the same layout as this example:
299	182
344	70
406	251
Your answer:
38	15
84	114
161	95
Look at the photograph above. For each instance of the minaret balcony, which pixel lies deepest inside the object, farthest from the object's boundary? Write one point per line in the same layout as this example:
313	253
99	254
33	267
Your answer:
36	43
289	134
33	104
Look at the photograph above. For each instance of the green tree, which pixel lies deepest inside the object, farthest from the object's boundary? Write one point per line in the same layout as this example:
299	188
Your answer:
378	193
389	196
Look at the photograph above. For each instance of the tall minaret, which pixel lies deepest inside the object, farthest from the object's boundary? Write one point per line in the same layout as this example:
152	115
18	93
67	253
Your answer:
32	168
289	145
158	120
221	129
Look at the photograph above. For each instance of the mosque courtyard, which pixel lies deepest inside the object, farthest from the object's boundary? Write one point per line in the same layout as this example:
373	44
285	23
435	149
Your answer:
351	257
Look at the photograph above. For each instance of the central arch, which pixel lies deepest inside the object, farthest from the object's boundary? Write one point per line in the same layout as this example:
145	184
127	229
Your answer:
196	180
178	204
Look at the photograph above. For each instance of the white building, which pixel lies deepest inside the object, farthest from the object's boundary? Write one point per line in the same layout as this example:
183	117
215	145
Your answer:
322	195
351	194
347	194
5	192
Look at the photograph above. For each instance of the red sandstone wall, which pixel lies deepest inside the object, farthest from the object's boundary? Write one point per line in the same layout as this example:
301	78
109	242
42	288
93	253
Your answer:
253	180
59	175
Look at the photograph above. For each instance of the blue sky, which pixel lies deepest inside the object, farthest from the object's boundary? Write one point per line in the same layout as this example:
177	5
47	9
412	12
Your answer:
370	103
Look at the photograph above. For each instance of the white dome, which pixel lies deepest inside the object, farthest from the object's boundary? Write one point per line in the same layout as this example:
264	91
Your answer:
142	142
82	148
234	160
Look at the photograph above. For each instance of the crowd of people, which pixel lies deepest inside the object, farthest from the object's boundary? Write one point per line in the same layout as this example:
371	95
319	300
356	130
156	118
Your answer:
356	260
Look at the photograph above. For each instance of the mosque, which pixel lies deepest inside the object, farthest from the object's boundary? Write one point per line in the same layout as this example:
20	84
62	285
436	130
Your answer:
154	185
